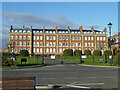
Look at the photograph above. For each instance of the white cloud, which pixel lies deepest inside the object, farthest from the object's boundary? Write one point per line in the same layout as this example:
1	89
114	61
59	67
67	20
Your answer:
18	19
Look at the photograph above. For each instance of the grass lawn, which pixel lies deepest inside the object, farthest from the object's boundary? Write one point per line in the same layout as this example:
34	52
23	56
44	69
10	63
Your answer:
31	62
88	61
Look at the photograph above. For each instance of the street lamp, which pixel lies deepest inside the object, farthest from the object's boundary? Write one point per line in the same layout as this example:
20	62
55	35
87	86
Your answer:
110	25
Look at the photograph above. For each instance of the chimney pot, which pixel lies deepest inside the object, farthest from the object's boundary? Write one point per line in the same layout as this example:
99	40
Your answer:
92	28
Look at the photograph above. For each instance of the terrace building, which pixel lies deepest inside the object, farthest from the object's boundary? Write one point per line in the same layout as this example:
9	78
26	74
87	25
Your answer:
55	41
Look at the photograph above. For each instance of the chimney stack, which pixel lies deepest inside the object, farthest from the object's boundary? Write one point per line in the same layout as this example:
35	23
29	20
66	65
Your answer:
105	29
11	27
31	27
80	28
56	28
23	26
92	28
68	28
43	29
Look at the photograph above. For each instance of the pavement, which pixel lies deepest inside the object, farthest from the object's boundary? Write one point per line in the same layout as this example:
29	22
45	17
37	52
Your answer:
68	75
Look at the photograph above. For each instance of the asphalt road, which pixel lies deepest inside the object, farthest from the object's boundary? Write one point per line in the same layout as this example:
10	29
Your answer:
69	75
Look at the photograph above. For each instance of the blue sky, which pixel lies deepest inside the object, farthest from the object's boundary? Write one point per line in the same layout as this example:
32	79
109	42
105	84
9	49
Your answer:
62	14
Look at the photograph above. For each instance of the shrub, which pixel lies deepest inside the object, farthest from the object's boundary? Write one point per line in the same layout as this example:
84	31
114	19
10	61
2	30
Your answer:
97	53
117	52
117	59
68	52
24	53
87	52
107	52
78	52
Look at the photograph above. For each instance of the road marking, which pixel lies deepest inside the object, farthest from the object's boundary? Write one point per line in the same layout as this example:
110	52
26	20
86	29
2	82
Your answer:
91	77
90	84
78	86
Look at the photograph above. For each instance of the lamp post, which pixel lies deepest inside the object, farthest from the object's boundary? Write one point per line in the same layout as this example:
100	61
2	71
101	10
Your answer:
110	25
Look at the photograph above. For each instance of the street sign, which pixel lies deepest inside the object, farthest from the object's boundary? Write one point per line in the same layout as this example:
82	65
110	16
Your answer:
83	56
52	57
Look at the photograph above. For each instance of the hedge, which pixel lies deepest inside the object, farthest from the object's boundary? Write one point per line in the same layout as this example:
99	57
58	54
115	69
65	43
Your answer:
24	53
117	60
97	53
117	52
68	52
87	52
107	52
78	52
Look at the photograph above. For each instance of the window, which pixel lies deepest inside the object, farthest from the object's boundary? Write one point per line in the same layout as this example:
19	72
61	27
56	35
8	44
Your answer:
40	37
50	49
15	49
91	44
79	44
53	37
50	37
63	43
104	38
28	49
24	37
85	44
88	44
20	37
67	44
92	50
34	50
37	43
47	37
37	49
63	49
66	37
16	37
19	49
101	38
72	37
54	32
79	38
33	43
53	49
97	38
47	44
60	38
40	49
104	44
37	37
34	37
15	43
88	38
50	44
24	43
85	38
47	50
40	43
28	43
60	44
24	49
63	38
76	38
60	50
91	38
50	32
28	37
73	44
97	44
53	43
20	43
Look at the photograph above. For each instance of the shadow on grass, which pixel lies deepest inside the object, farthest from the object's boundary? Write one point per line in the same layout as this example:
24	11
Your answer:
28	64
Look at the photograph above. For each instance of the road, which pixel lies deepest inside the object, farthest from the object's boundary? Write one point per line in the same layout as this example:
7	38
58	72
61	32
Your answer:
67	75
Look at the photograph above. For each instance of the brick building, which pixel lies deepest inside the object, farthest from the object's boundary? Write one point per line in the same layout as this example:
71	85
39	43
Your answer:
55	41
115	42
